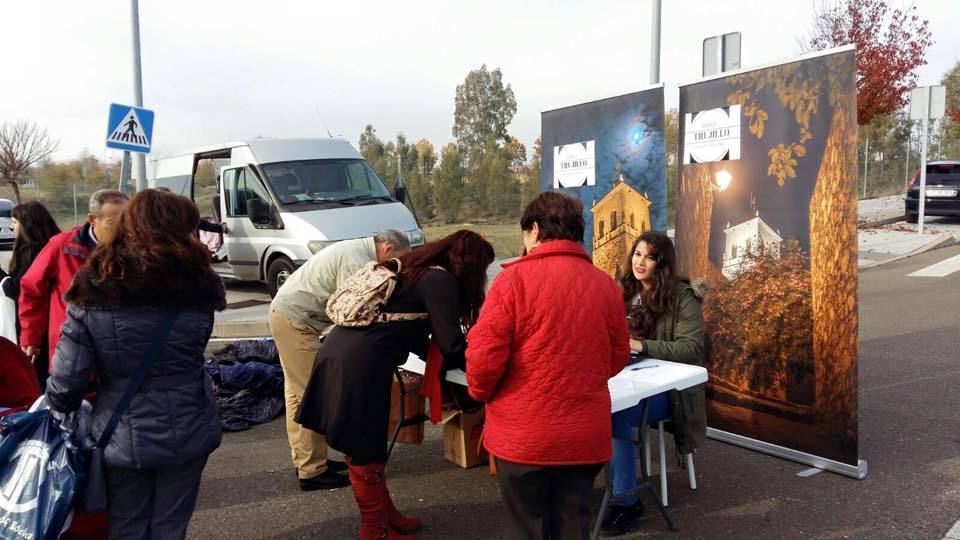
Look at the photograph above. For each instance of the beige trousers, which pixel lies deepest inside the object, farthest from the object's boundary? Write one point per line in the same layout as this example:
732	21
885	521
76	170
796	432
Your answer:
298	345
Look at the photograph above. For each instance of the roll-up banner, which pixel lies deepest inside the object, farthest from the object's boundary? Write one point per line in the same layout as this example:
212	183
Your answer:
609	153
767	214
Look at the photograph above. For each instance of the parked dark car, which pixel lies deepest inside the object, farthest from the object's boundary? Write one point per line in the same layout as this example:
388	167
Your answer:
943	191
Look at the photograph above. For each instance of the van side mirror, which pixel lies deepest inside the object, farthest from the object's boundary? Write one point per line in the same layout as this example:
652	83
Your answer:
400	193
259	211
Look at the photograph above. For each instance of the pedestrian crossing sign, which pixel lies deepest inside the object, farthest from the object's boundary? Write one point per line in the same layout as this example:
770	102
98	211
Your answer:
130	128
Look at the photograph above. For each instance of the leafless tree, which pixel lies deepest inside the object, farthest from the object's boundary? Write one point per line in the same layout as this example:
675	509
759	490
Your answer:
22	144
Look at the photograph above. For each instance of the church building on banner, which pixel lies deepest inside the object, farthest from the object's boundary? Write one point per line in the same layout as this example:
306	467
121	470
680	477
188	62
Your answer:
742	238
618	220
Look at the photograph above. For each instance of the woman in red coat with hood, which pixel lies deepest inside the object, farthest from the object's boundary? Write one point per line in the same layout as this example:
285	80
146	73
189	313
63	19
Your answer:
552	331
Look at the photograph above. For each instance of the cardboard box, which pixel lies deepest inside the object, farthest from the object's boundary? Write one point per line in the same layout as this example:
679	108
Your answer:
461	438
414	405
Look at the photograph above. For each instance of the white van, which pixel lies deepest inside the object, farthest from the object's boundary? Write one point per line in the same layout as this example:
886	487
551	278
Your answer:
286	199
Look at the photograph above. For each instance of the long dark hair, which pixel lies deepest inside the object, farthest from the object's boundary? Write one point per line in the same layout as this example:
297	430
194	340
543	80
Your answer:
465	254
154	236
36	228
653	301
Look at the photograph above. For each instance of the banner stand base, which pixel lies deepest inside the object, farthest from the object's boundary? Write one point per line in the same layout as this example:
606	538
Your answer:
859	471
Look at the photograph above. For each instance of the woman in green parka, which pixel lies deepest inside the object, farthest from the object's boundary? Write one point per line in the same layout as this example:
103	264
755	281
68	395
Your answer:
666	323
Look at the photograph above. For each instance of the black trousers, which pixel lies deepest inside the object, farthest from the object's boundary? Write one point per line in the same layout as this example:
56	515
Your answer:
547	502
148	504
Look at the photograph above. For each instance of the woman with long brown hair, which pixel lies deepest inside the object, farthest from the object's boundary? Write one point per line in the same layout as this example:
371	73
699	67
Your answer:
33	226
149	285
666	323
348	396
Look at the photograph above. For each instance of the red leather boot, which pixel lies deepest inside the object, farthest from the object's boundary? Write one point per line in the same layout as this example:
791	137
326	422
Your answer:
399	522
373	501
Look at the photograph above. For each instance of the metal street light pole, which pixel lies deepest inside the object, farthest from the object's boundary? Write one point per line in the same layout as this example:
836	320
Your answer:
139	160
655	44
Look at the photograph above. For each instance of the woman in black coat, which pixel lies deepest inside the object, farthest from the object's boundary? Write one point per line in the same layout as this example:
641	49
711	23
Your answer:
348	395
154	266
33	226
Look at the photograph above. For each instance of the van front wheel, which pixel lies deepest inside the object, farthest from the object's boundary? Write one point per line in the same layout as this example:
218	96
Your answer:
277	274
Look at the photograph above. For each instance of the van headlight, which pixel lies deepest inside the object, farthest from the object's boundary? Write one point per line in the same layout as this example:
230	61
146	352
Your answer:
316	246
416	237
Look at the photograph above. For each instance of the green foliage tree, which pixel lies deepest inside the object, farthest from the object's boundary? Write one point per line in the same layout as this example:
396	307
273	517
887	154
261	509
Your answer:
420	177
484	107
500	188
448	186
374	151
426	157
531	181
951	79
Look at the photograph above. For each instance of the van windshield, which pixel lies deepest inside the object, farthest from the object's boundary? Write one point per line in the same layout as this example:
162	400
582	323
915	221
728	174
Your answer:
350	181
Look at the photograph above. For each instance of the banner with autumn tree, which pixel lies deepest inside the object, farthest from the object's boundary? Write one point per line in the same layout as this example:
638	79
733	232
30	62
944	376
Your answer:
774	234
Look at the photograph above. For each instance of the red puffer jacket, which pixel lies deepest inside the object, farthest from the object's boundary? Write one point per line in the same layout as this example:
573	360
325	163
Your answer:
552	331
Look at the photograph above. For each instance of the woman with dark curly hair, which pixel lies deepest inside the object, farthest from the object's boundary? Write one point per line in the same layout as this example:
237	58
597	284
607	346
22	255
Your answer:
348	396
666	323
152	277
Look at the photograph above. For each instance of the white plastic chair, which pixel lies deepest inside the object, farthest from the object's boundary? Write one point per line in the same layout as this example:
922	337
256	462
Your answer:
662	462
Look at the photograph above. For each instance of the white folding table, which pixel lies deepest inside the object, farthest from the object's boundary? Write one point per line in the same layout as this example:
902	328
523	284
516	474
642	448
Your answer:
633	385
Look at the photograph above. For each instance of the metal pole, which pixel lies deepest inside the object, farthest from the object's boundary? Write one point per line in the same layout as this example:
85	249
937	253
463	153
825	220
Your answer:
655	44
940	140
923	168
74	203
139	161
124	172
866	160
906	171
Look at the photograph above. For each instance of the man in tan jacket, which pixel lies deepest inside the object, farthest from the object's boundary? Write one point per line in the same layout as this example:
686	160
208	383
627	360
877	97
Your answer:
298	321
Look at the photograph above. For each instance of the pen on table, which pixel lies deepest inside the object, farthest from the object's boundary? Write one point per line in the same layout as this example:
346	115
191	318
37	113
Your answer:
643	367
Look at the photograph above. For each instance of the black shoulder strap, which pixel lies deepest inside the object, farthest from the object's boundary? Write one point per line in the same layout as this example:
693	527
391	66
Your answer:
148	359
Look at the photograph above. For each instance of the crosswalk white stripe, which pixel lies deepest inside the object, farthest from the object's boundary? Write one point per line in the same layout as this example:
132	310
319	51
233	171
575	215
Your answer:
940	269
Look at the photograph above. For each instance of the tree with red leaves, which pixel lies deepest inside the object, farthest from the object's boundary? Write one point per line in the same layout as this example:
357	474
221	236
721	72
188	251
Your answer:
891	45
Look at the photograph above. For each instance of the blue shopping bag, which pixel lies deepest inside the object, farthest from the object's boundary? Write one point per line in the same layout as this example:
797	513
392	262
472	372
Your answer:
41	470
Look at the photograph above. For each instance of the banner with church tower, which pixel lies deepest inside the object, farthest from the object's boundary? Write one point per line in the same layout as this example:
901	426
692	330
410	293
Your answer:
610	154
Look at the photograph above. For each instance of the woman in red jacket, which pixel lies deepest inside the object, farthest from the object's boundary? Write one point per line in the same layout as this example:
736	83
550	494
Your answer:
552	331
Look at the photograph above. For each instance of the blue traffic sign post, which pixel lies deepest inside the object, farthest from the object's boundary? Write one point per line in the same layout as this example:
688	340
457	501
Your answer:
130	128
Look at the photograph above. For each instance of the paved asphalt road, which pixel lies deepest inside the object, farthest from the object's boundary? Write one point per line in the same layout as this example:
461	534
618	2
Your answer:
910	336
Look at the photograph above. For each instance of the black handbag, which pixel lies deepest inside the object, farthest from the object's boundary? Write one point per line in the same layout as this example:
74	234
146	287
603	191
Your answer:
95	492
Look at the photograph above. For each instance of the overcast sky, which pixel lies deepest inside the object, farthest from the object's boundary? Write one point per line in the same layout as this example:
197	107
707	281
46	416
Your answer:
227	70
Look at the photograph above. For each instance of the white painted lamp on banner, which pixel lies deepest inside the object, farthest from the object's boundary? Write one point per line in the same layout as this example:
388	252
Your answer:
926	103
130	128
